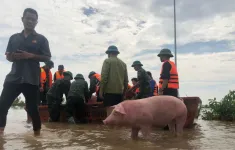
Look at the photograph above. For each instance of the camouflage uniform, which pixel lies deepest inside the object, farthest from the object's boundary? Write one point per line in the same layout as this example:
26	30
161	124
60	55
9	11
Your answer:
55	95
77	95
143	80
144	84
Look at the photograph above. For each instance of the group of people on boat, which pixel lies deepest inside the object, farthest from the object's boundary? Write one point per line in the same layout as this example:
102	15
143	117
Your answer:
26	49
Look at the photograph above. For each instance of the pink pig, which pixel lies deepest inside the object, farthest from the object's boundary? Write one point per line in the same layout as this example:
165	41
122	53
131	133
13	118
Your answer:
142	114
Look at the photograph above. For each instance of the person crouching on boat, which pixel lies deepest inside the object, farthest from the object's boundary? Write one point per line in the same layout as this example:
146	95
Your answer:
77	95
55	95
94	85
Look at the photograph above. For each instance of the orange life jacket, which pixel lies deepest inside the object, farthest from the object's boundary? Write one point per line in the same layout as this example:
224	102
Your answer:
129	87
58	76
98	77
43	78
137	90
173	82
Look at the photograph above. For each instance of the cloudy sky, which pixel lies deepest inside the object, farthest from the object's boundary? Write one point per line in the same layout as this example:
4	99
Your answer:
79	33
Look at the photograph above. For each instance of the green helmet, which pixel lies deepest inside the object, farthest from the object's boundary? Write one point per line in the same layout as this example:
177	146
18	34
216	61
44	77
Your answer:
49	63
135	63
68	73
165	52
91	74
79	76
112	48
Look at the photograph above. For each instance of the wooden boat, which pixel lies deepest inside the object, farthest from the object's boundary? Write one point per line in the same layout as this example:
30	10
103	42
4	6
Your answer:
95	111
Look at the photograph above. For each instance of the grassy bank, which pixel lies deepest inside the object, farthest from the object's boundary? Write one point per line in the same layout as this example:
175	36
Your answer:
221	110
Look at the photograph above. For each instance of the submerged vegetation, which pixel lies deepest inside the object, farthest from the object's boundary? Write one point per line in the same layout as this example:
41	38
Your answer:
18	102
223	110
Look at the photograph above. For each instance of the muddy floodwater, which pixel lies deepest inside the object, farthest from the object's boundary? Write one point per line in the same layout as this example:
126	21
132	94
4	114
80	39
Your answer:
18	136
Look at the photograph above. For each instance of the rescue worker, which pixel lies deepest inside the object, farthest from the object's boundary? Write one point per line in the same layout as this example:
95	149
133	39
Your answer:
153	85
94	84
114	79
169	81
55	95
143	80
78	95
59	74
135	82
45	81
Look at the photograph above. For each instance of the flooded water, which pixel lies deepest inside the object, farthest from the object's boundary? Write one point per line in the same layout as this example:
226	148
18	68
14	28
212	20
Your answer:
18	135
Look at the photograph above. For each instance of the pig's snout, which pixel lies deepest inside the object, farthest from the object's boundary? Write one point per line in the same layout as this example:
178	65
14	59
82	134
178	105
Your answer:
104	121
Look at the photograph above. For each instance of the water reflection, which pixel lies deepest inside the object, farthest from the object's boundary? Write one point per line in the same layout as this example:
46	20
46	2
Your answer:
19	135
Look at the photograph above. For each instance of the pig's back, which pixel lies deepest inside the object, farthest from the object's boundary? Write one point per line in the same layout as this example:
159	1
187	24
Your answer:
162	108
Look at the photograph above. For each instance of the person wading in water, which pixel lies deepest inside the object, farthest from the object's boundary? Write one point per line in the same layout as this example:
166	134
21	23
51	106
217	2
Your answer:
25	50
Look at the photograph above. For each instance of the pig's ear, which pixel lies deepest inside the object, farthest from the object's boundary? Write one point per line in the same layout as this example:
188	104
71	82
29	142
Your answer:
120	109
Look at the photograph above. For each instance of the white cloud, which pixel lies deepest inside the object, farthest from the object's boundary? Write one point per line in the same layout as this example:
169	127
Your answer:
132	26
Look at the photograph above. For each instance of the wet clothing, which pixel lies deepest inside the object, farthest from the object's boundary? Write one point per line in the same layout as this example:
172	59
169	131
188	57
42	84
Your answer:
144	84
54	108
77	96
114	77
24	76
112	99
166	68
77	105
10	92
54	97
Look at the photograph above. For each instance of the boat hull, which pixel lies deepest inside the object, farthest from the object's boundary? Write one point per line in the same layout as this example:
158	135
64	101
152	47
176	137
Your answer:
96	112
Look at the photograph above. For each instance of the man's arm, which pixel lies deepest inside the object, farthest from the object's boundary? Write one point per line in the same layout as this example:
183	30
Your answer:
165	74
104	75
8	52
92	85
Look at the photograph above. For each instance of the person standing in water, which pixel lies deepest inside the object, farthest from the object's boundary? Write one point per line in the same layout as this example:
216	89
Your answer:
25	50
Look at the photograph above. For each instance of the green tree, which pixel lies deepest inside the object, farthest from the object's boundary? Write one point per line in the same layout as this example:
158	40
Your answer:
223	110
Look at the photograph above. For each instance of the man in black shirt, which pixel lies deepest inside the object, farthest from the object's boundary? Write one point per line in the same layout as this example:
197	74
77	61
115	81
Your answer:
25	50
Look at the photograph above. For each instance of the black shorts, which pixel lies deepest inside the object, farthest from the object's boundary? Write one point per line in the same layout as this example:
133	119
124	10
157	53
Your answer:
112	99
171	92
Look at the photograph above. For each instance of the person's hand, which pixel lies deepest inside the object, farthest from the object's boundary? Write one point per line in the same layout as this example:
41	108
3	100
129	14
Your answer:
9	56
22	55
101	95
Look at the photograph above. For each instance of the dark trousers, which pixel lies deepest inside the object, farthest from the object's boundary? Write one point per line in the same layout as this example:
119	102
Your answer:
171	92
43	99
75	104
54	107
112	99
10	92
